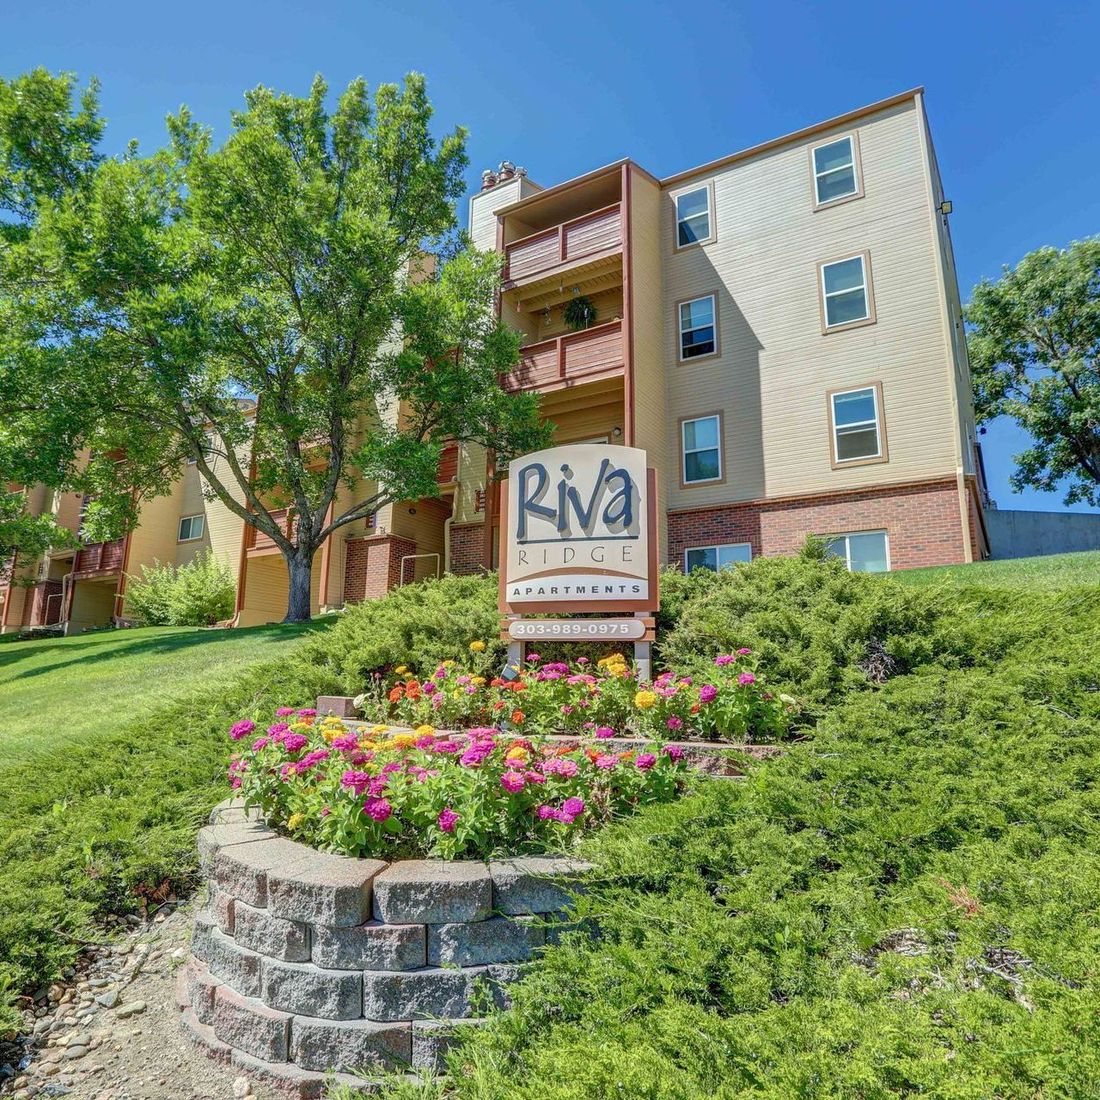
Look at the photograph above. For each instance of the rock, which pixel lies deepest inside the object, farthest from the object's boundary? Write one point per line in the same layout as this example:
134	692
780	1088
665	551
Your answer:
323	889
433	891
108	999
241	1088
496	940
370	946
307	990
350	1045
535	884
132	1009
73	1052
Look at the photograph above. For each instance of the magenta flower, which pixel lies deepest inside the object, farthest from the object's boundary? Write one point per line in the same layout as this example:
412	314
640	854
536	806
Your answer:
260	743
746	678
674	752
535	777
675	723
724	659
278	730
560	767
357	781
378	809
295	742
447	819
284	712
645	761
307	713
582	660
708	693
545	812
235	782
428	687
744	652
573	806
605	761
534	658
513	781
242	728
346	742
604	732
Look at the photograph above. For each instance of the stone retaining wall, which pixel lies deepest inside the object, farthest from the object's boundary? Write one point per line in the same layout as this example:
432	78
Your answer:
305	962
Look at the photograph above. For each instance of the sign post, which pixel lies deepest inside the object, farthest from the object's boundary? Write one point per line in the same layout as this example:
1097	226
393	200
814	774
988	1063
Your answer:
578	536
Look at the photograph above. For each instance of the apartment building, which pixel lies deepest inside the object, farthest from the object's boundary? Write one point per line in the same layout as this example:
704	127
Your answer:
780	329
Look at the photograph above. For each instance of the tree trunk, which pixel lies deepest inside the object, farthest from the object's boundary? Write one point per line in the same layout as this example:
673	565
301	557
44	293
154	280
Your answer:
300	567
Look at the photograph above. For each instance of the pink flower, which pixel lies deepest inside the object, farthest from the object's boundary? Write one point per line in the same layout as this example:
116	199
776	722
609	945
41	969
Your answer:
534	658
560	767
535	777
744	652
357	781
604	732
513	781
708	693
645	761
346	742
295	742
428	687
447	819
278	730
378	809
545	813
675	723
260	743
284	712
235	782
242	728
724	659
307	713
674	752
573	806
605	761
746	678
582	660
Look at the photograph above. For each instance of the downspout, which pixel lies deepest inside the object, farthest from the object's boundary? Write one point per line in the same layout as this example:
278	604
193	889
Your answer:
447	541
7	594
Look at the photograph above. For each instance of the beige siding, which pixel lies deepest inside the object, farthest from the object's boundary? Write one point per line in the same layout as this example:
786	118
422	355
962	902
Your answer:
267	589
485	204
224	529
651	408
775	367
155	536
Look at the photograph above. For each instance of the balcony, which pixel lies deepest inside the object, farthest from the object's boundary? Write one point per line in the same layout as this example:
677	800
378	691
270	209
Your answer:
588	237
447	473
595	352
257	542
102	558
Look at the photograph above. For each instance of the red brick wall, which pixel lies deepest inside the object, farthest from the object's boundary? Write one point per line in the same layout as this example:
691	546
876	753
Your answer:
372	566
468	548
923	523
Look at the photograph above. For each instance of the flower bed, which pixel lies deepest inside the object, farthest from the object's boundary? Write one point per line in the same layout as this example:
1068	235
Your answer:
730	700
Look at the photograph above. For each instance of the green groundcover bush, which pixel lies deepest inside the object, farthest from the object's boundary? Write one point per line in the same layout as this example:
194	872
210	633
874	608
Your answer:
905	903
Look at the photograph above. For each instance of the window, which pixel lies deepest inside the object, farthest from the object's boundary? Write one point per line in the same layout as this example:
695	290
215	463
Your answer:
702	449
698	330
716	557
693	217
865	552
836	171
191	527
856	431
846	293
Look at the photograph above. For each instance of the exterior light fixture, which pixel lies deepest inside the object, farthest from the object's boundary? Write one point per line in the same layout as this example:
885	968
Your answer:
945	206
616	432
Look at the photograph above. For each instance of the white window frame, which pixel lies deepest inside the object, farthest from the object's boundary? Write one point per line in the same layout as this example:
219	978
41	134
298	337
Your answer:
715	547
685	451
859	424
683	192
192	537
853	163
846	535
713	324
865	286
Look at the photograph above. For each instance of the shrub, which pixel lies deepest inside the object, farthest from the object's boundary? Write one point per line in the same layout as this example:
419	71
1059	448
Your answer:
200	593
446	796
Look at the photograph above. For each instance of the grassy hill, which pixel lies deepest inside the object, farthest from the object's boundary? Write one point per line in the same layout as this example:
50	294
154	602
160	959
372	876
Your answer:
65	689
1051	573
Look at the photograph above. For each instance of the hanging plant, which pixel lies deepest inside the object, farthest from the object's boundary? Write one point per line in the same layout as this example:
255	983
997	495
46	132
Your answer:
579	313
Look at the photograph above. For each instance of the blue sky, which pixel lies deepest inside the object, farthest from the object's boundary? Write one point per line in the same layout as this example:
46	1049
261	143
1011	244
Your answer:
1012	90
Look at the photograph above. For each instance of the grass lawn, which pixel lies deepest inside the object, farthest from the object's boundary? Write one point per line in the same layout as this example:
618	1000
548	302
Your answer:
69	688
1047	573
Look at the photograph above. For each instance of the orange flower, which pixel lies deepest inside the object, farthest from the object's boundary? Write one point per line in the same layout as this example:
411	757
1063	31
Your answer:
498	705
395	694
497	682
518	717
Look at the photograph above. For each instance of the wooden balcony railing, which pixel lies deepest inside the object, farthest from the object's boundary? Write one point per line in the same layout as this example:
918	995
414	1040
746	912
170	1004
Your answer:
552	363
530	257
100	557
42	604
259	541
447	473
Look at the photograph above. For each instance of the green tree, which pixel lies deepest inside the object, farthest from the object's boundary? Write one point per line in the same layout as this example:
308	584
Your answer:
294	310
1034	346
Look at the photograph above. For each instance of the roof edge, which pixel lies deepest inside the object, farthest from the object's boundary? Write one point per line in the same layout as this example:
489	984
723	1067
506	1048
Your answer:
796	135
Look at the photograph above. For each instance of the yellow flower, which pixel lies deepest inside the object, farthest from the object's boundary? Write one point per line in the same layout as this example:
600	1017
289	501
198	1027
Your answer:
456	694
368	745
328	734
425	731
643	700
447	664
376	730
477	647
518	753
404	740
401	670
612	659
479	680
295	822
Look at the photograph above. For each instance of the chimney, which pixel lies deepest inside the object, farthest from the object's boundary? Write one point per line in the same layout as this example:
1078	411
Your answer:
488	180
507	171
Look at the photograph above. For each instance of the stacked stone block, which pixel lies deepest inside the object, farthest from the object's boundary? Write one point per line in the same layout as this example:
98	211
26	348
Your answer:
305	963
